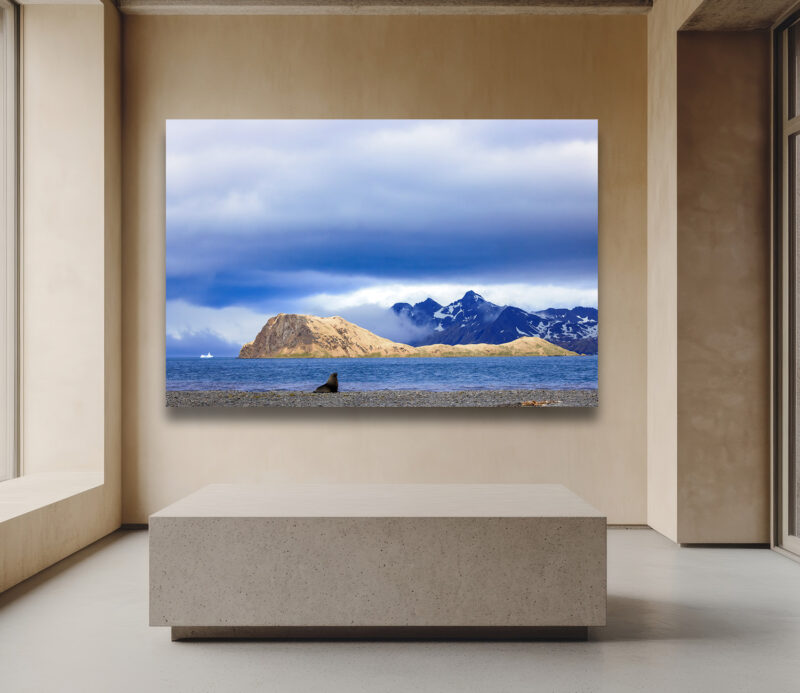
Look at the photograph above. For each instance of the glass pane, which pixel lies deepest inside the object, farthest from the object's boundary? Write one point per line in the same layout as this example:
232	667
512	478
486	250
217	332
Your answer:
793	45
8	179
6	469
794	235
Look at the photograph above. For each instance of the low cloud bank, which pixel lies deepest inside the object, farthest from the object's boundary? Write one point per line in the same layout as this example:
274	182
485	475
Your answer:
197	343
195	329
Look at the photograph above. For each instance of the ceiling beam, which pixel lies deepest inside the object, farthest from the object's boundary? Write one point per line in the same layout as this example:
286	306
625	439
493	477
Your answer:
737	15
393	7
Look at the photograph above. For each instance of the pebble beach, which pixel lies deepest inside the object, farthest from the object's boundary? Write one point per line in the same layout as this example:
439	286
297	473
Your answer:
384	398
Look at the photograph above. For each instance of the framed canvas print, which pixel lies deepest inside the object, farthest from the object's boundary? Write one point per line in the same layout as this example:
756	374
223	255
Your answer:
381	263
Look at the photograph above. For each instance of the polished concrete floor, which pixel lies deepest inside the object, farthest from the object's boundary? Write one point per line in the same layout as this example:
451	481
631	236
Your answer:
679	619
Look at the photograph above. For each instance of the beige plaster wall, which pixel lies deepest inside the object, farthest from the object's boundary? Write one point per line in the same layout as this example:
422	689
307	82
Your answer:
723	286
663	23
63	220
405	67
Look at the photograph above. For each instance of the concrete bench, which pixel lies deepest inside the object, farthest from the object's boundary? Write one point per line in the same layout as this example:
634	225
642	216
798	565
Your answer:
388	560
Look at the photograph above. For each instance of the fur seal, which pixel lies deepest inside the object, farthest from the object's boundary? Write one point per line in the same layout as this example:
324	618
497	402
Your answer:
332	385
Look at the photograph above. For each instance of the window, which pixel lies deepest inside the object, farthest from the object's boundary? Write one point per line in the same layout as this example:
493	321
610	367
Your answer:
9	89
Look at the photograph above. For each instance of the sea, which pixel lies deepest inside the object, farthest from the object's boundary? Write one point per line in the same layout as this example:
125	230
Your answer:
439	374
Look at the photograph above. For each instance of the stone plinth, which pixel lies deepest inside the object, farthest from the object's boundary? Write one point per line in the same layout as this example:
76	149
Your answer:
351	560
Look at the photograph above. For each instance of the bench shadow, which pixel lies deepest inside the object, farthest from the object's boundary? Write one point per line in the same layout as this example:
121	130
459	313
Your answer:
632	619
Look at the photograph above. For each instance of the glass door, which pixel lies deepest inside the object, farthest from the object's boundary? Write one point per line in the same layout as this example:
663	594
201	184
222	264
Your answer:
787	289
9	28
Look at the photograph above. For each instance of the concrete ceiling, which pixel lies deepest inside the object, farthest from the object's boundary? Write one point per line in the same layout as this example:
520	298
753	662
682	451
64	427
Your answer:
711	15
385	6
59	2
737	15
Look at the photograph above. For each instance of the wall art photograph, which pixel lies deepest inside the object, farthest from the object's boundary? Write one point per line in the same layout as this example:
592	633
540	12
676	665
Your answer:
381	263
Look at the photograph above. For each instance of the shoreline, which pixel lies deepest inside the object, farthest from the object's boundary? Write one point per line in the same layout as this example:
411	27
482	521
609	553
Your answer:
443	355
305	356
383	398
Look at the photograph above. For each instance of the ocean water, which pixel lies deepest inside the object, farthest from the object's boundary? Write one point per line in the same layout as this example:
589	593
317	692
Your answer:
436	374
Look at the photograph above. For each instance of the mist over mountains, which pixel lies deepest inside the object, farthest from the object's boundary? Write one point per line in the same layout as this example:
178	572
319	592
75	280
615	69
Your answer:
473	320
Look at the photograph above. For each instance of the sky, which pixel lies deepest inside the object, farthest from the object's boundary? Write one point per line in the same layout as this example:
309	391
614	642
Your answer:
348	217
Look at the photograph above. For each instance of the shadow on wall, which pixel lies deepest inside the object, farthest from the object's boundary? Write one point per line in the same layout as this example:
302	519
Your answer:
399	414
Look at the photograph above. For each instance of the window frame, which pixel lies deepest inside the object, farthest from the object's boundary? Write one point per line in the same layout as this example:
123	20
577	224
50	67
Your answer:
9	257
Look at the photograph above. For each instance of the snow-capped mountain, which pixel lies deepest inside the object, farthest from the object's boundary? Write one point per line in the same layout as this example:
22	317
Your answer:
474	320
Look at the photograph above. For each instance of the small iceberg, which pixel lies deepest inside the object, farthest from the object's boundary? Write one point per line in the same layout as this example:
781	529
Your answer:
206	356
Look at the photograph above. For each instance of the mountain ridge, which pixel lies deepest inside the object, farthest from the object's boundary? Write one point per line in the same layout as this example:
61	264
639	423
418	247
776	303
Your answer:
289	335
472	319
